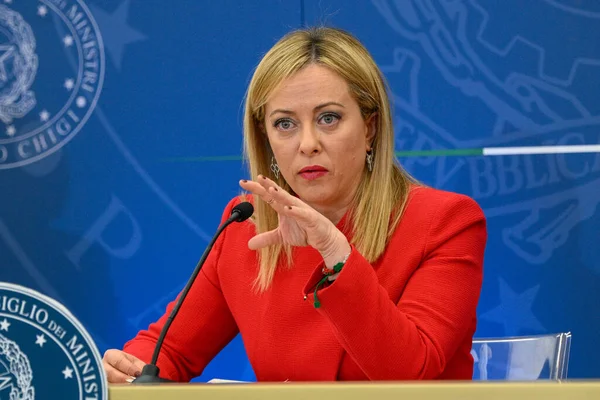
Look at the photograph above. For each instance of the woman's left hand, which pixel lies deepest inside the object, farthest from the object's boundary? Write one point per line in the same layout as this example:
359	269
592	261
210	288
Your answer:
299	224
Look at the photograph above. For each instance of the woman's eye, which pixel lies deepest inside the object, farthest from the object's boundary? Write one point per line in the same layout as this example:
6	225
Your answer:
329	119
283	124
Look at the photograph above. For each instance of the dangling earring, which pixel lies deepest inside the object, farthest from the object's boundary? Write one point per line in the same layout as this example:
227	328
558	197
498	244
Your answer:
370	160
275	167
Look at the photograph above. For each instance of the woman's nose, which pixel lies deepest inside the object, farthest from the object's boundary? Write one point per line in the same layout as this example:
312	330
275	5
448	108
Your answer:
309	142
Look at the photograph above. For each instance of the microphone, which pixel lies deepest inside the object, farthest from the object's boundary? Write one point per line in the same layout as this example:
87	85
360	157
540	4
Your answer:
150	372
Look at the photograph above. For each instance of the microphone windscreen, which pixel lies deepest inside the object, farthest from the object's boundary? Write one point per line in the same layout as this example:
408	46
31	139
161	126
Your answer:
244	211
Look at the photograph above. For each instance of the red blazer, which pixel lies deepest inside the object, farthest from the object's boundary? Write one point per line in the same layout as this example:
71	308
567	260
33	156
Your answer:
410	315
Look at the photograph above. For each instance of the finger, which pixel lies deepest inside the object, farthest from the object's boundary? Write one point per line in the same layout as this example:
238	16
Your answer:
121	362
127	367
267	183
280	195
264	239
277	199
256	189
285	199
135	361
115	376
263	188
304	216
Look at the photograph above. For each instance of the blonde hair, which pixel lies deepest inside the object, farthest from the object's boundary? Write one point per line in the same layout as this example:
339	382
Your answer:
382	194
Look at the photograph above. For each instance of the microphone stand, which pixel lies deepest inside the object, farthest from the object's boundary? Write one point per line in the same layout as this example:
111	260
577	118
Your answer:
150	372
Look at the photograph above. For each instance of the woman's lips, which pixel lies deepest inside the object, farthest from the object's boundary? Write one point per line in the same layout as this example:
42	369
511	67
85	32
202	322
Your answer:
313	172
312	175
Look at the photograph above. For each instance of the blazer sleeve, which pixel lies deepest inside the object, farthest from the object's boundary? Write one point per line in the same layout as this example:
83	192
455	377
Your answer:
413	339
202	328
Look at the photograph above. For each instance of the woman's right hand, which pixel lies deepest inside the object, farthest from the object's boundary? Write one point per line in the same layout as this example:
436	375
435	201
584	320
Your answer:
121	367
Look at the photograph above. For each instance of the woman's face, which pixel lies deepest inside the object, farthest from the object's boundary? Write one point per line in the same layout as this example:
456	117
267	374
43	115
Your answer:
318	137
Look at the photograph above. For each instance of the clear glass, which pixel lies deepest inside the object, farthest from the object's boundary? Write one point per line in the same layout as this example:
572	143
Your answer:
522	358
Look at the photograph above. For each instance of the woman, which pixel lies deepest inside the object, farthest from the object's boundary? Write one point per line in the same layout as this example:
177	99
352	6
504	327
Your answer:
349	269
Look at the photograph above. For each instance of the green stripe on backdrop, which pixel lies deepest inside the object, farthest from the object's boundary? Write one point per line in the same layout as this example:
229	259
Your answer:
487	151
440	153
409	153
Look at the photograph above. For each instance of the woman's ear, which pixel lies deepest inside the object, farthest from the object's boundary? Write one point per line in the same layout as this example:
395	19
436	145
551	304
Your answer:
371	124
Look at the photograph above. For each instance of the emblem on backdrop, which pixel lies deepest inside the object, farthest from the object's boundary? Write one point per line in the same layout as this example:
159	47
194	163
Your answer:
44	351
51	75
522	83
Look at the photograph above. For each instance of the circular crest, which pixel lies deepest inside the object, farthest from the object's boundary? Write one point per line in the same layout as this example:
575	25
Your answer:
45	350
52	69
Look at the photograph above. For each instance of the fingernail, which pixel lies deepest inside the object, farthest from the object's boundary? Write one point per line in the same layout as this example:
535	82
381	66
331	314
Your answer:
129	380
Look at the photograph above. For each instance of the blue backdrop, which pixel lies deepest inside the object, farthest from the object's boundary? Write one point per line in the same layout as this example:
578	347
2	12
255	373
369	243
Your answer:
121	138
